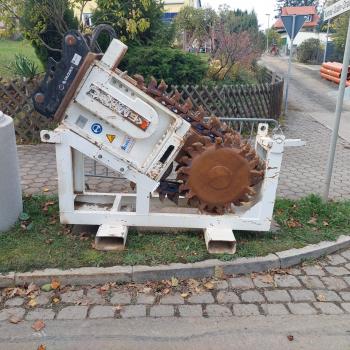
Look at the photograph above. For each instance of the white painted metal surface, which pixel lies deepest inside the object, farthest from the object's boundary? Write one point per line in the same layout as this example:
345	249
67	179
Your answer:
10	186
143	209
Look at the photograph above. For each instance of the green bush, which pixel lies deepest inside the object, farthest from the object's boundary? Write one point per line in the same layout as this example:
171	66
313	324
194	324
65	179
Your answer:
174	66
309	51
39	27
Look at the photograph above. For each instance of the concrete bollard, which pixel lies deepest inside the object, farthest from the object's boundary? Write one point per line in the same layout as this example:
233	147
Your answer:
10	185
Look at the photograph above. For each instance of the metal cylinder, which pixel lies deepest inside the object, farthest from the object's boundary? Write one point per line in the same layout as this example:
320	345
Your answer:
10	186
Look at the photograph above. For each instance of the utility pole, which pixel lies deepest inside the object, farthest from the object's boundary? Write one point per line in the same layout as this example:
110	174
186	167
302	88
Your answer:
325	50
267	32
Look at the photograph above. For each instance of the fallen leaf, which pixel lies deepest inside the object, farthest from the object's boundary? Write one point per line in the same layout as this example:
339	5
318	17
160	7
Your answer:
55	284
293	223
45	190
42	347
105	287
147	290
325	223
174	282
32	302
48	204
290	337
118	307
46	287
38	325
55	300
184	295
15	319
312	221
49	241
31	288
209	285
166	291
321	297
267	278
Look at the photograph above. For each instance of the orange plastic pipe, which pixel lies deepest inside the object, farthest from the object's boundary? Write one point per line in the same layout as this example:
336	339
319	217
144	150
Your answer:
333	79
330	72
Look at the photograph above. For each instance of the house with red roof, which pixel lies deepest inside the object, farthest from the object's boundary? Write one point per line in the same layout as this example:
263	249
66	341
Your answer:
309	29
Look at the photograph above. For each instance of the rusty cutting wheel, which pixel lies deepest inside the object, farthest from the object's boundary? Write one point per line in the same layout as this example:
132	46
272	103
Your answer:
216	170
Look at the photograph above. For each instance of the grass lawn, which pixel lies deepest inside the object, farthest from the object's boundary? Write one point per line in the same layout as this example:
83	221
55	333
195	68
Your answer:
8	49
39	241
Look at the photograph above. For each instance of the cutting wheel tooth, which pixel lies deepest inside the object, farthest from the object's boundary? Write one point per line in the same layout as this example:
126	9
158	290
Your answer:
176	97
193	202
153	83
229	139
190	194
257	173
162	86
250	191
254	162
185	160
187	106
244	199
140	80
218	142
183	187
224	127
214	123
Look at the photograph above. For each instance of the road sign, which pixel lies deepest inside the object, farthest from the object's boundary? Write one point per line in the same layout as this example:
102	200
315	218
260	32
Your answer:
288	24
292	24
336	9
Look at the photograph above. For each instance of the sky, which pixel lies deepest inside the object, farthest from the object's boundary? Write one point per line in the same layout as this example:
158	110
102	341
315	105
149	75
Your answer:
261	7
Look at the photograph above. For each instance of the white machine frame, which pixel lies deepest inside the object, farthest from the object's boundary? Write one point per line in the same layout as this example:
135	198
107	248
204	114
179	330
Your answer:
116	212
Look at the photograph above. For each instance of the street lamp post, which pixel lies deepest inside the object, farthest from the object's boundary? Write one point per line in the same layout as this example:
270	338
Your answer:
267	32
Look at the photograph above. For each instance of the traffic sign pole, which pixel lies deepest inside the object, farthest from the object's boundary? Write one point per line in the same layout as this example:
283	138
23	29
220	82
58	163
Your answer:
338	112
289	67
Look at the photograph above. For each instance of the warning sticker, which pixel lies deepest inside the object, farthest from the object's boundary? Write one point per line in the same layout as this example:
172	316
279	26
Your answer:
128	144
110	137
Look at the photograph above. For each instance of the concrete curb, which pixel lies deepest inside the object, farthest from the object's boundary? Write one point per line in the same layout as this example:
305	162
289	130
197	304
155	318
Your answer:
207	268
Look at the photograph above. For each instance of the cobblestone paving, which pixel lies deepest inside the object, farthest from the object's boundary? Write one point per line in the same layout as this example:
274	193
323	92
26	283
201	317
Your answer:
320	288
302	171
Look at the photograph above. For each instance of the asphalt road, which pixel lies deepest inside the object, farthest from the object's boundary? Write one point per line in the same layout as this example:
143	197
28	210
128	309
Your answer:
311	94
248	333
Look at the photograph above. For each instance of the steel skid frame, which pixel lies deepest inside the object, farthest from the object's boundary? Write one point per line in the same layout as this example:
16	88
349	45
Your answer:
116	212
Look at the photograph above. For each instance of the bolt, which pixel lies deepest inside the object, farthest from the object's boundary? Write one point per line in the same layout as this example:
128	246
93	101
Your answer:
70	40
39	97
99	156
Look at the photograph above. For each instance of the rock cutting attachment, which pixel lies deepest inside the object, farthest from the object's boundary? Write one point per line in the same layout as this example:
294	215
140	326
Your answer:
216	170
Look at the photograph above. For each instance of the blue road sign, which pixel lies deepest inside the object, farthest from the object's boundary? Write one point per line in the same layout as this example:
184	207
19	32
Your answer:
96	128
288	24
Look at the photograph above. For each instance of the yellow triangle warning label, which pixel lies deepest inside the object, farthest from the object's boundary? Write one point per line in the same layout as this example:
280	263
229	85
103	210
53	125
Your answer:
110	137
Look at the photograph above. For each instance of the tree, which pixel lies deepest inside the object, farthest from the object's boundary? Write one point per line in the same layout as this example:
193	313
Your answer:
135	21
44	23
10	14
292	3
340	27
196	25
233	48
236	21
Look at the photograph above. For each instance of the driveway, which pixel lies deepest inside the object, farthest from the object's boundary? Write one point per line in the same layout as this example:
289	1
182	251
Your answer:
310	94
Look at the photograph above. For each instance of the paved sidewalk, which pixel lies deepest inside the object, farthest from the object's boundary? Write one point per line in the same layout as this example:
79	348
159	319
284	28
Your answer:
302	171
320	288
